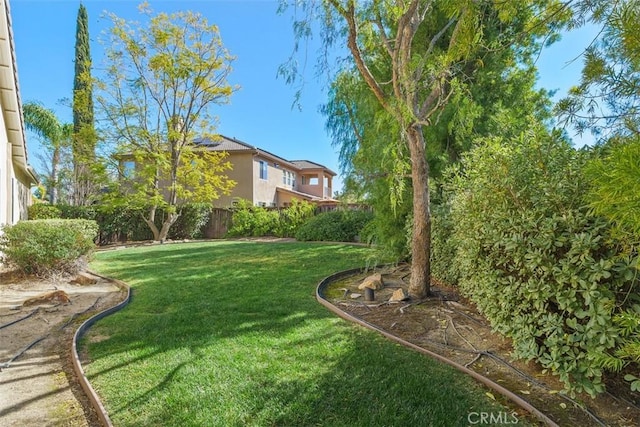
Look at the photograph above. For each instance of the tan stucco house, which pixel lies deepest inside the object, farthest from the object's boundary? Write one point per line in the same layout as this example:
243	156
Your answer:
269	180
16	176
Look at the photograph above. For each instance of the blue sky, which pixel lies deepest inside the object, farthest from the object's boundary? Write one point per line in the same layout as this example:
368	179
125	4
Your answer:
260	113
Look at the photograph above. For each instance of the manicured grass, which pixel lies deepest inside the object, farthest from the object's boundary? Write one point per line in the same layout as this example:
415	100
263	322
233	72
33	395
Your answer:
230	334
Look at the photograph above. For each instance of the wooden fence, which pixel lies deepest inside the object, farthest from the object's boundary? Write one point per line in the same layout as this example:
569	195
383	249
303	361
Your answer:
218	224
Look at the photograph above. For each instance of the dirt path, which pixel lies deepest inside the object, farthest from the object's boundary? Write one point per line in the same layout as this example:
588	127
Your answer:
37	387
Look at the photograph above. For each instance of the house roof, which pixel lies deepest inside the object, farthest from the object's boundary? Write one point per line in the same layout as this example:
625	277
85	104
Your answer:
306	164
10	99
305	196
224	143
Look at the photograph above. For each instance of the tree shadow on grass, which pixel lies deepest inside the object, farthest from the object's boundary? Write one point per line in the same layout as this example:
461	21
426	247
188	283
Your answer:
231	335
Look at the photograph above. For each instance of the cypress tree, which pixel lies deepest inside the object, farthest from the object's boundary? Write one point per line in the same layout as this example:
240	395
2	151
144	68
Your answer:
84	138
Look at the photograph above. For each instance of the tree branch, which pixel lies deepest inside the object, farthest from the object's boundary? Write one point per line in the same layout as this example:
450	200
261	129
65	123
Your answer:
349	15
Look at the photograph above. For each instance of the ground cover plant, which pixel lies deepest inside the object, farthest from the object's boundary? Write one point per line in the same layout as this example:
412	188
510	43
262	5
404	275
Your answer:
229	333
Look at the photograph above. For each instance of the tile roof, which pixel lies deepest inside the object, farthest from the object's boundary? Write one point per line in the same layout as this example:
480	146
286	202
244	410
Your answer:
306	164
224	143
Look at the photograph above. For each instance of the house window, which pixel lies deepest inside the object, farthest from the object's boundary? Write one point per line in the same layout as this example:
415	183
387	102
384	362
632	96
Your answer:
313	180
289	178
284	177
263	169
128	168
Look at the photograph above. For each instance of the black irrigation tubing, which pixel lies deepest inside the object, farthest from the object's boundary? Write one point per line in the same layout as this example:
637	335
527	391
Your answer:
7	364
21	352
484	380
496	358
80	313
519	372
20	319
623	400
75	358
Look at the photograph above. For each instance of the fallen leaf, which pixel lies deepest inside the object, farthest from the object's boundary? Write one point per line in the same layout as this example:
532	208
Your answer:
490	395
563	405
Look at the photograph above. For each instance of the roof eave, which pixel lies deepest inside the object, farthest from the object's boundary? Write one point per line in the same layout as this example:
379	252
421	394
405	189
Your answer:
11	102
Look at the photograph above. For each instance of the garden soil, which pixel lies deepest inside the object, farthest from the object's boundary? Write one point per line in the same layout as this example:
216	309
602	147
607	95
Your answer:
38	319
447	324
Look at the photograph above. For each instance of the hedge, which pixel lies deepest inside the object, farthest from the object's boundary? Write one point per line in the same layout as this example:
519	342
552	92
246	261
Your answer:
123	223
255	221
48	246
336	226
539	266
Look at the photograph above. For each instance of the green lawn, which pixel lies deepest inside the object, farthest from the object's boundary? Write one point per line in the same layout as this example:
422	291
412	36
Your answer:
230	334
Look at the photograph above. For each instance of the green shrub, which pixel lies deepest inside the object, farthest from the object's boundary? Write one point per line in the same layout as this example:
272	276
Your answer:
293	217
192	220
615	194
78	212
539	266
44	211
443	244
255	221
335	226
48	246
627	325
125	223
245	219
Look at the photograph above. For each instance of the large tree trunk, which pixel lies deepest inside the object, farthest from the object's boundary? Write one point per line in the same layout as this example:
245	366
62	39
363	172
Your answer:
55	162
166	225
151	222
419	285
82	188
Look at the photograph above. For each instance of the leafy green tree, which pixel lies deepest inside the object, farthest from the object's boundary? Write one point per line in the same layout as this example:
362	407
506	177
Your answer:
606	100
615	189
84	133
614	194
161	82
55	138
414	58
498	98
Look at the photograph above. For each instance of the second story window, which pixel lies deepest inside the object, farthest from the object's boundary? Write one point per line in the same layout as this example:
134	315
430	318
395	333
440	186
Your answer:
263	169
128	168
